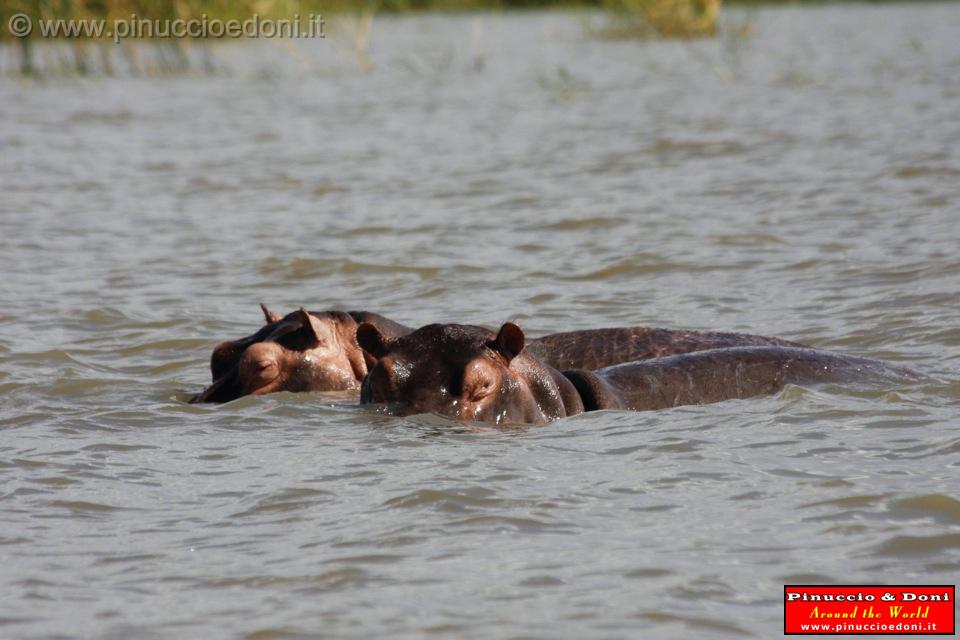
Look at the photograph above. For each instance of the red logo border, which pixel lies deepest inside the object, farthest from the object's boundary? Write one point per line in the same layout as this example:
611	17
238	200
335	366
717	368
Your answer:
952	587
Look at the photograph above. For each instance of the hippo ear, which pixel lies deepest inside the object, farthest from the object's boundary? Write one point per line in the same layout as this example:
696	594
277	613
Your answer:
269	316
371	340
306	325
509	341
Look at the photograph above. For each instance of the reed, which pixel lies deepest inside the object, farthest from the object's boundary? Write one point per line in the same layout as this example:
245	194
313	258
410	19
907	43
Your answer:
350	23
80	54
164	9
664	18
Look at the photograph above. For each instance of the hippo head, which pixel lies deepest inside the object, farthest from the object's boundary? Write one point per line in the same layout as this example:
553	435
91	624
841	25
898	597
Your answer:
462	372
298	352
227	354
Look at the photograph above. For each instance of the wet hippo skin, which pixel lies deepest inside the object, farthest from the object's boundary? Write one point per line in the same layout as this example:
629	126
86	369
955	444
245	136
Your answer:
288	330
597	348
469	373
317	351
302	351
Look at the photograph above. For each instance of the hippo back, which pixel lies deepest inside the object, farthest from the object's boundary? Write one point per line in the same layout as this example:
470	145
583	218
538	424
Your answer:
598	348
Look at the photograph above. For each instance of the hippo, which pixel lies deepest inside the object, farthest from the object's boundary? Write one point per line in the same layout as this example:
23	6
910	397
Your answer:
317	351
470	373
302	351
289	330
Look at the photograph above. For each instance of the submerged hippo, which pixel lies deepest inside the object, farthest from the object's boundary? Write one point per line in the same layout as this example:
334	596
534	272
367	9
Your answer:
302	351
318	351
470	373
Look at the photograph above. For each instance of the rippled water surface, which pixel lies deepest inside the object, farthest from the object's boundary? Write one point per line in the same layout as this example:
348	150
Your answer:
803	181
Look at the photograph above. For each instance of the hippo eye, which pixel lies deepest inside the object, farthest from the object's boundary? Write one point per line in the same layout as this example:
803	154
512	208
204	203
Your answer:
266	369
260	365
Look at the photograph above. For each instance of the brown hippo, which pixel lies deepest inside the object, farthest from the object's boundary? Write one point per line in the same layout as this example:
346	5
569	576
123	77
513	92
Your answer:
289	330
470	373
302	351
318	351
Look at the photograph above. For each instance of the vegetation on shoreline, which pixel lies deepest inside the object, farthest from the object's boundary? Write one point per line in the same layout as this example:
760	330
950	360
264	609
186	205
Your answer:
348	22
663	17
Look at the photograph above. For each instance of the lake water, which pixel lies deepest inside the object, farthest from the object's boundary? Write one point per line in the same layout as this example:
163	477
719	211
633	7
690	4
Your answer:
802	181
